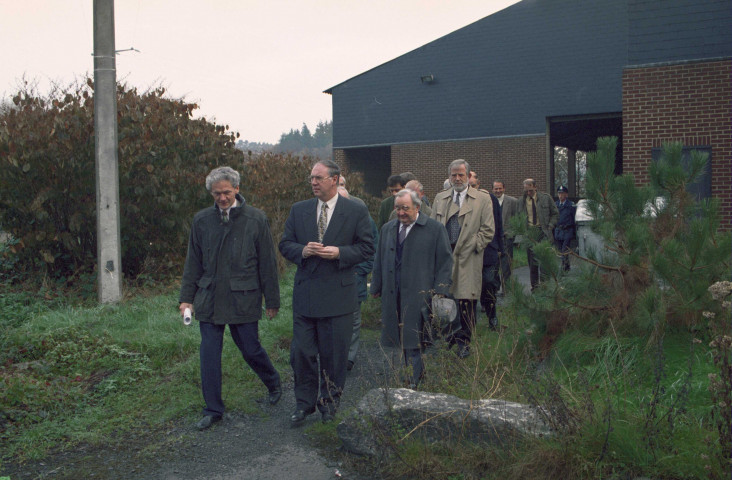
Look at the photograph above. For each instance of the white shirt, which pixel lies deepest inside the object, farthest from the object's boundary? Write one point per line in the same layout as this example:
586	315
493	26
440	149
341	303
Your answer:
227	210
329	212
500	200
462	197
408	227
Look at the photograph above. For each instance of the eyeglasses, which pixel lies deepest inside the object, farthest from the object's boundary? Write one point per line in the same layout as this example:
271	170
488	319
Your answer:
318	178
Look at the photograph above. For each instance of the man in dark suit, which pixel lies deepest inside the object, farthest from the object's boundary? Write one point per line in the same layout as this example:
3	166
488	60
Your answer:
326	237
509	207
413	262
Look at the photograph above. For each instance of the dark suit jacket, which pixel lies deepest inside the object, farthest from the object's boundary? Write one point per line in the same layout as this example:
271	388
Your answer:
327	288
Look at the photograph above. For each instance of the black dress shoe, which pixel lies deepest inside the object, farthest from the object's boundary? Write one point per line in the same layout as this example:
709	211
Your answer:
463	351
207	421
298	417
275	394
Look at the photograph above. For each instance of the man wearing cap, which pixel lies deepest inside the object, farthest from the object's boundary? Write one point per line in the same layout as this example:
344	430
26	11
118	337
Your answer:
564	232
542	216
413	263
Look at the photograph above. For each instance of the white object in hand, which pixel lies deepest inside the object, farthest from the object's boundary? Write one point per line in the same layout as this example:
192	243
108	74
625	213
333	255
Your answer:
187	316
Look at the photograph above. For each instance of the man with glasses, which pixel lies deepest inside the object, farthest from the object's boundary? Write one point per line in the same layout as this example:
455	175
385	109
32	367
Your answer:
326	237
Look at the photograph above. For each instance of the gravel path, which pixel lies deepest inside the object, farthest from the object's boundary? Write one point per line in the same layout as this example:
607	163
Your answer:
265	446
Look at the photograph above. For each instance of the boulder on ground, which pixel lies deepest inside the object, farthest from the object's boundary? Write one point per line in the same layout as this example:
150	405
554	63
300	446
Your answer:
383	413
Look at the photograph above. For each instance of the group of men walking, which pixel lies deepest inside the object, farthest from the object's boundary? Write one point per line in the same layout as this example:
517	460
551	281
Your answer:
459	248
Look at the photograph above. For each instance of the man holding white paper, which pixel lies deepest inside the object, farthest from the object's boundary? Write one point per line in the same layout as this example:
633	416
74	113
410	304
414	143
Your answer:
230	266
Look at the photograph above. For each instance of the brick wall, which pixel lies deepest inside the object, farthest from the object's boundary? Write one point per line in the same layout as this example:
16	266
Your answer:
691	103
512	159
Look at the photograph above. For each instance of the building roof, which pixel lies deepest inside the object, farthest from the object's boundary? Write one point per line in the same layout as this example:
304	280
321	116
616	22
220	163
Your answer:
505	74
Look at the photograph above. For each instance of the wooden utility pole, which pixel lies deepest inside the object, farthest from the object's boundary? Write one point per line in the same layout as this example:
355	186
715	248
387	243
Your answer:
109	257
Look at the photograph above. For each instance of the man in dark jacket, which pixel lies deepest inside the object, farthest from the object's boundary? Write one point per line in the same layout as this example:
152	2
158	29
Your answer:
564	232
230	265
491	267
413	262
395	183
362	272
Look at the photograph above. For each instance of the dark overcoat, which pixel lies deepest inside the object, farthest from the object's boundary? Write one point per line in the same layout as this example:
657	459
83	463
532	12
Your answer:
426	269
230	266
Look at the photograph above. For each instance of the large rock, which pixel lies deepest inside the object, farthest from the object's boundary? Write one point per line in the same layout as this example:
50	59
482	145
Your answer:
383	413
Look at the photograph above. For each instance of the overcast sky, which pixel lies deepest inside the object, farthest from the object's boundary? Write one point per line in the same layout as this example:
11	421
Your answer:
259	66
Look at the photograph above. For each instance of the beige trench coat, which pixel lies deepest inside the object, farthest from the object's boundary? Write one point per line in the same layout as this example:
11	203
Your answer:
477	228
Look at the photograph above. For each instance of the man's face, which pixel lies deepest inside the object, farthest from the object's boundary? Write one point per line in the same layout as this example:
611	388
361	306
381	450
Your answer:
497	189
529	189
473	180
406	210
563	196
341	181
324	186
224	194
396	189
459	178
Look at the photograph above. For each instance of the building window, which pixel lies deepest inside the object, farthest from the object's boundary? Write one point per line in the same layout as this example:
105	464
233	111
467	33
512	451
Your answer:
566	160
703	188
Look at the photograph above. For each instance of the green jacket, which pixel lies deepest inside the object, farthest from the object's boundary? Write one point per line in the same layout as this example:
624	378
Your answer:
387	206
230	266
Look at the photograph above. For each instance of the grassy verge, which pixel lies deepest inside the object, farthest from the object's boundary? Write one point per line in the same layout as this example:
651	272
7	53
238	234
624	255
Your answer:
96	375
622	407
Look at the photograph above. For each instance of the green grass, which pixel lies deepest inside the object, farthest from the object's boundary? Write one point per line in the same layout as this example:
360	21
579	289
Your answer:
72	375
95	374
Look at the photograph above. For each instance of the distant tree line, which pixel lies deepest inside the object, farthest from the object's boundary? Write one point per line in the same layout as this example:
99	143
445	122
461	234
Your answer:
299	142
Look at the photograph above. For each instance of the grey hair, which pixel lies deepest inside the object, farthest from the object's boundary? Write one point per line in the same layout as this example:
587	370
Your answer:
446	184
457	163
220	174
530	181
415	197
415	185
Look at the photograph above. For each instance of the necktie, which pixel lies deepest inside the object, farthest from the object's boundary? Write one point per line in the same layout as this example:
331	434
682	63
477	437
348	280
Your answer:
533	211
224	216
402	233
322	222
457	199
